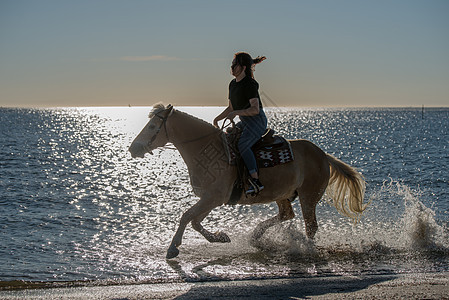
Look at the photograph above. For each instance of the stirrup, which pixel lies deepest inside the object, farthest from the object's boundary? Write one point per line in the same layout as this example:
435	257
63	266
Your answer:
255	187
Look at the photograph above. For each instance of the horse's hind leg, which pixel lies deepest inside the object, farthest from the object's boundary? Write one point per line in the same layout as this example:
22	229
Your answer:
285	213
308	207
218	237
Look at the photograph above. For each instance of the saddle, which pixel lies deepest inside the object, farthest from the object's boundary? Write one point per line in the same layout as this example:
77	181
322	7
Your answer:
270	150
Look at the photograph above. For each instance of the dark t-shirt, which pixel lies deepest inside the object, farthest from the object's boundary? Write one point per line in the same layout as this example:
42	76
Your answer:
240	93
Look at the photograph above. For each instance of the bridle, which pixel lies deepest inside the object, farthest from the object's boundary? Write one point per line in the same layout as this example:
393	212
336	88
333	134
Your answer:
163	123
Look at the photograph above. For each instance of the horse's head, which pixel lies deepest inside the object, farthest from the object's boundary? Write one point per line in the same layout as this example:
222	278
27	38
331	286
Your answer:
154	134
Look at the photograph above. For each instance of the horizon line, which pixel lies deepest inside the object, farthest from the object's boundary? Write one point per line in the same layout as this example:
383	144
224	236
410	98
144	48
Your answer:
181	105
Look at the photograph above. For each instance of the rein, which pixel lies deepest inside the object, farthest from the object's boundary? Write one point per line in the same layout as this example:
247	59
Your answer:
164	123
207	135
231	123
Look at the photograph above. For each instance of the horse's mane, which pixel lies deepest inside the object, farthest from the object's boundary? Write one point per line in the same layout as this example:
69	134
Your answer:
158	107
197	119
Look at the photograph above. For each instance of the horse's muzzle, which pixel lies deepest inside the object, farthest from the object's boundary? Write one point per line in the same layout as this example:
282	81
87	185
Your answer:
138	150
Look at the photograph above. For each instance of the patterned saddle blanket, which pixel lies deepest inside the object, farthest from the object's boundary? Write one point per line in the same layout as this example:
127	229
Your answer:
270	151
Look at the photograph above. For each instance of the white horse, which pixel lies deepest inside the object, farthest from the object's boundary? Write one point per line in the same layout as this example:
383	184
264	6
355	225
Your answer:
212	177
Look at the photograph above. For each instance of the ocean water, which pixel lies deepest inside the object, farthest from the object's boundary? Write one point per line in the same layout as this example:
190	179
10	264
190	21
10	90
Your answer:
74	205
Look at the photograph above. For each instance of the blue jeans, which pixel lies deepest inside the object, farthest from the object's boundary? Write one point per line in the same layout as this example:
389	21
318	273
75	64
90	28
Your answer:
252	130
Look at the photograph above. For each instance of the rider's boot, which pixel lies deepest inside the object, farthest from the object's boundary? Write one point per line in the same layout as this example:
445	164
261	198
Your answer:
255	186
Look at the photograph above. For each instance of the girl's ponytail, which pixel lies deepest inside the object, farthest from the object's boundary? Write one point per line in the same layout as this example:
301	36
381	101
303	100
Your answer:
259	59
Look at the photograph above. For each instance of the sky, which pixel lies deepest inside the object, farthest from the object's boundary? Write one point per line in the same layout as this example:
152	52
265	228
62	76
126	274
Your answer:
321	53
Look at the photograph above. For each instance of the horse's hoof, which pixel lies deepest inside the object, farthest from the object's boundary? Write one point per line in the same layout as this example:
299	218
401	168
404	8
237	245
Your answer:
256	243
257	234
172	252
222	237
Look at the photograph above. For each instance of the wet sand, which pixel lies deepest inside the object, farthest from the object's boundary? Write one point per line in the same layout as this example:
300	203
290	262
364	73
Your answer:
404	286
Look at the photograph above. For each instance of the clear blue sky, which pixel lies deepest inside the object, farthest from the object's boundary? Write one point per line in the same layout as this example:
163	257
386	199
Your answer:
320	53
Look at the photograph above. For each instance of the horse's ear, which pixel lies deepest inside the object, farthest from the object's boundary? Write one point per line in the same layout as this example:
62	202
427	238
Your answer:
169	109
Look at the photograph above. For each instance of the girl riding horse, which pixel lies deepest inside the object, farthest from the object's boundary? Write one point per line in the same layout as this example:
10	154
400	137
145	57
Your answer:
244	101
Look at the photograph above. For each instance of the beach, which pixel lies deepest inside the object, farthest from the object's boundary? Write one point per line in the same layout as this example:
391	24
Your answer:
402	286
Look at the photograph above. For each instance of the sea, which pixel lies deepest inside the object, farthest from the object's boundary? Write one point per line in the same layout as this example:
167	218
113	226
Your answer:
76	208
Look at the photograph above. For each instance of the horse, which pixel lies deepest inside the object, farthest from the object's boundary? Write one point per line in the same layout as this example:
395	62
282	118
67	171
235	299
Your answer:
212	177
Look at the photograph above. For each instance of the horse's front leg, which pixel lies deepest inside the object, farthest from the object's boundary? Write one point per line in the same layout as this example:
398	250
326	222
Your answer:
217	237
199	209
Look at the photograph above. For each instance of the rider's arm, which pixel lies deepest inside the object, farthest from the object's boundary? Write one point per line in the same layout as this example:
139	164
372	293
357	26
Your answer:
224	114
253	110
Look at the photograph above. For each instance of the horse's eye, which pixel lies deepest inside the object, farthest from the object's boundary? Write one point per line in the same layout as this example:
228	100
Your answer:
151	127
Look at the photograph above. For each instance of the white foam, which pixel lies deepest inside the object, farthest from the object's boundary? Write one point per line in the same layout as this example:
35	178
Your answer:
412	227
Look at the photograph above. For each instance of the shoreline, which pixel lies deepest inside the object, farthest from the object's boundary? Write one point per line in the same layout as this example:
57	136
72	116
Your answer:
410	286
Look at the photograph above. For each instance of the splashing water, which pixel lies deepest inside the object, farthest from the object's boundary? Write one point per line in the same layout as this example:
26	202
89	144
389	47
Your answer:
378	243
419	228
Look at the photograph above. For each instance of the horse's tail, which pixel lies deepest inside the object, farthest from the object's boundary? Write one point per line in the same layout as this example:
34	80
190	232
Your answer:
346	188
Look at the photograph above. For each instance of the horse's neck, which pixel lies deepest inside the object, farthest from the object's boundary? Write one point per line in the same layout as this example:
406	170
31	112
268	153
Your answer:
190	134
